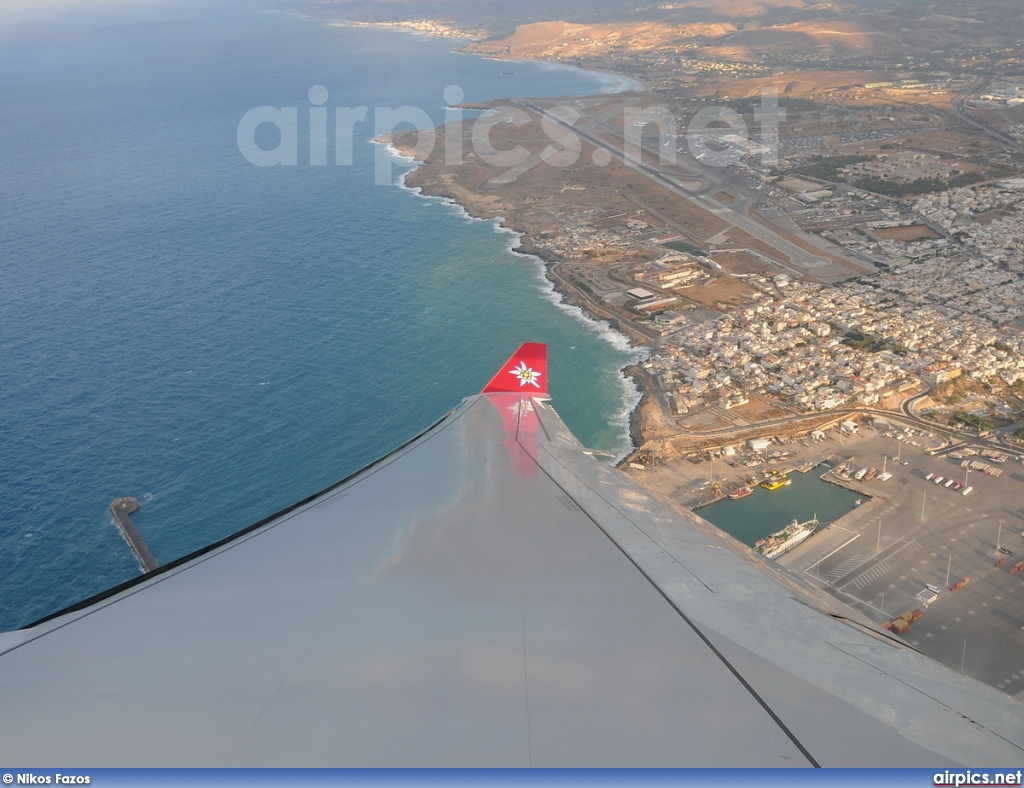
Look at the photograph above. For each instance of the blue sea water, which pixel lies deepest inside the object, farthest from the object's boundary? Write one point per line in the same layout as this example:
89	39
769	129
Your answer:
218	339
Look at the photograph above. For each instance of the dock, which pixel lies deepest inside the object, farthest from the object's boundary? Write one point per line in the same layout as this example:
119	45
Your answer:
121	509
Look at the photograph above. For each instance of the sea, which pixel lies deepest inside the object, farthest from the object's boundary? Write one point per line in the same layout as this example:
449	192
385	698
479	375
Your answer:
219	339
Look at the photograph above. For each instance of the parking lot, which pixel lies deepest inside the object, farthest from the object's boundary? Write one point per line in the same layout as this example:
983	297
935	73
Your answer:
913	533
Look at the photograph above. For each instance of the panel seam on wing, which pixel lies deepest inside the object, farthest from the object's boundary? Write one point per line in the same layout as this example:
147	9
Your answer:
667	598
932	698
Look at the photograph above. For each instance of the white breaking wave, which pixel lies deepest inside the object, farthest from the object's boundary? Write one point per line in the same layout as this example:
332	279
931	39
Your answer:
631	395
616	339
412	164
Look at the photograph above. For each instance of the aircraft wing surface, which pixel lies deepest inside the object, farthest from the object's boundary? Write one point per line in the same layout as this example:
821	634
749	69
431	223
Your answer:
488	595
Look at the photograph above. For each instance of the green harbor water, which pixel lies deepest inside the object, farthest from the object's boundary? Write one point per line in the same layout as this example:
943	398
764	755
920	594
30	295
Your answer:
754	517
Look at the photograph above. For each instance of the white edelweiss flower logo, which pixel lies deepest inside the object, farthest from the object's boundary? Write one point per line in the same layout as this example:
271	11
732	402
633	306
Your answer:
525	375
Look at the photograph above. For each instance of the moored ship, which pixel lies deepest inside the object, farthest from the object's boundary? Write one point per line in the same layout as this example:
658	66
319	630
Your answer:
780	542
742	492
775	481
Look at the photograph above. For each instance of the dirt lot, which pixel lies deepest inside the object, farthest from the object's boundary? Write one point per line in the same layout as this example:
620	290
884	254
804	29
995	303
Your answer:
915	232
701	422
759	409
947	142
720	289
991	216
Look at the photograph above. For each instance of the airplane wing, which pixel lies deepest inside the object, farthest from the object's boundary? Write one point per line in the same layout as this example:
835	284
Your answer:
486	595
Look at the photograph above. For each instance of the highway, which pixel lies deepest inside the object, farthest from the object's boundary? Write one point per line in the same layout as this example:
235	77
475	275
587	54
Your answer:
962	114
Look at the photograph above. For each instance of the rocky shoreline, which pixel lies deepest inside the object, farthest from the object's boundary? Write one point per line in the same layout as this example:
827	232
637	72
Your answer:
488	207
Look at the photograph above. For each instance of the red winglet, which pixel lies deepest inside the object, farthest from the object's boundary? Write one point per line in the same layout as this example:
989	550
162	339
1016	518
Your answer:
525	373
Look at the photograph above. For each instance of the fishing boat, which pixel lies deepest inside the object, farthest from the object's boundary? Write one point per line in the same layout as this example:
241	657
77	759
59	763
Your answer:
742	492
775	481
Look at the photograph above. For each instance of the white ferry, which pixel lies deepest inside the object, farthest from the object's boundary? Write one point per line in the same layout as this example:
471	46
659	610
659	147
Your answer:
781	542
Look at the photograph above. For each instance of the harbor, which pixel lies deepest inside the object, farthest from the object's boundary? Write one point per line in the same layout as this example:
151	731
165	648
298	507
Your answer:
805	497
910	534
929	552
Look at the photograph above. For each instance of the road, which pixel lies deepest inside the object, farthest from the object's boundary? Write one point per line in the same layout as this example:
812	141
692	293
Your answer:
595	307
962	114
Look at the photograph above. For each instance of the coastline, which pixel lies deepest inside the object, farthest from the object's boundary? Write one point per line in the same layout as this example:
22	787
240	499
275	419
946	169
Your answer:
637	387
634	378
417	28
636	384
196	482
628	82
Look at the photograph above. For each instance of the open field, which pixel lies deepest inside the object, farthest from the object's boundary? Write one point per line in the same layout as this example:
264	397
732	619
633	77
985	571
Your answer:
818	85
545	194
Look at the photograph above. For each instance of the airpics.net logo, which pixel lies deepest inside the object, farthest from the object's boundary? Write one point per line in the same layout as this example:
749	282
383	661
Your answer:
968	777
717	136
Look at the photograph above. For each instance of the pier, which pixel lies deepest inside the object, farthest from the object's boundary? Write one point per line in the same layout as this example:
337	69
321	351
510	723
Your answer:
121	509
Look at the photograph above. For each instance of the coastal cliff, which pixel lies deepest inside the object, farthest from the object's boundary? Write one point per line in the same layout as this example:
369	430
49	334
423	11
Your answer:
542	204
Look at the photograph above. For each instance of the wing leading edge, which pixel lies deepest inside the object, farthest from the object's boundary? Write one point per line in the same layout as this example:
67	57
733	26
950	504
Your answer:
486	596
